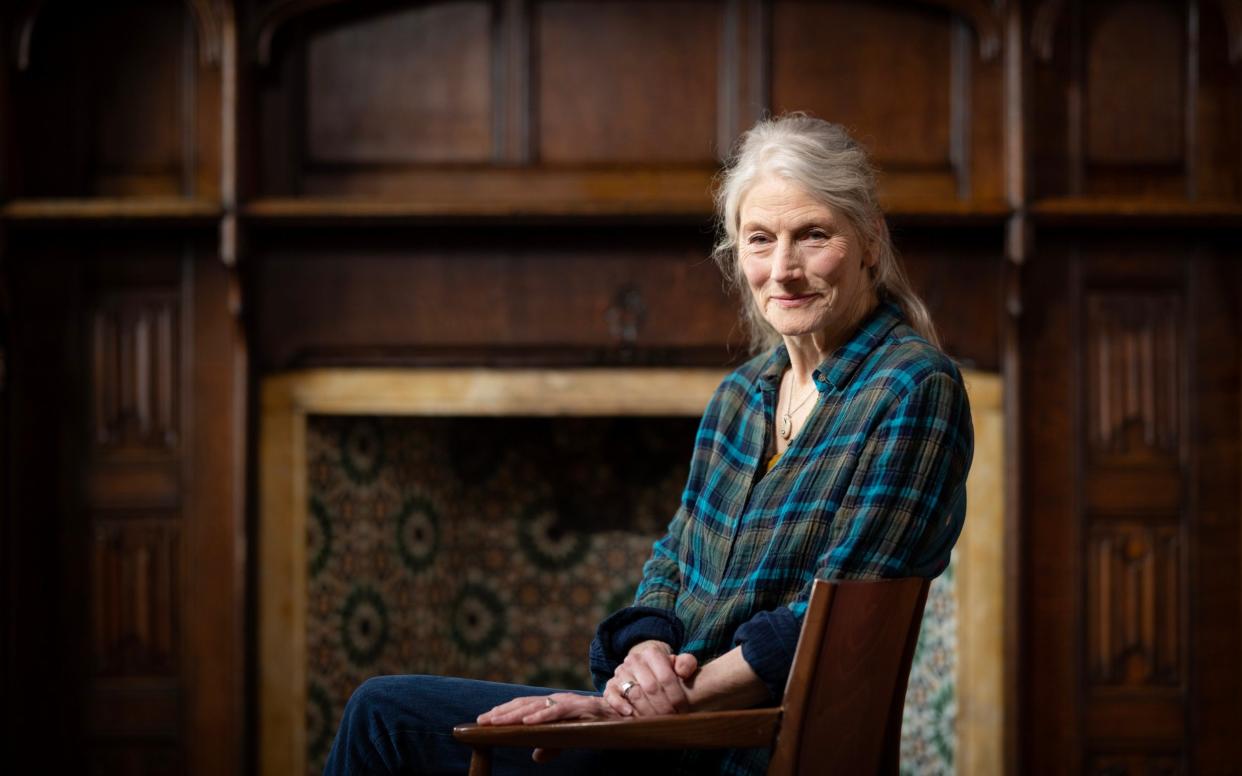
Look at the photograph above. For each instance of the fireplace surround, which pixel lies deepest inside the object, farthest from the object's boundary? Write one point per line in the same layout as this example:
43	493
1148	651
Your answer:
298	408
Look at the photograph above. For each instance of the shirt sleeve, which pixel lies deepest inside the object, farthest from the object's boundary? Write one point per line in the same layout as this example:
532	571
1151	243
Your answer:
653	615
900	516
661	581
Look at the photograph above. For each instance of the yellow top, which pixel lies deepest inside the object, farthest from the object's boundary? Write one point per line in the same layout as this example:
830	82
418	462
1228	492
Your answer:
772	461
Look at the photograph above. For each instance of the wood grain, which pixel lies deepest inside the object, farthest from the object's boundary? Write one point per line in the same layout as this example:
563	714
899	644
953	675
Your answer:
613	78
169	210
370	109
282	585
702	730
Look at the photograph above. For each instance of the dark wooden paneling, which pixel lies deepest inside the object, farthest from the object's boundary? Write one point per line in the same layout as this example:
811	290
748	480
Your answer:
100	403
615	78
1135	98
419	93
215	522
48	429
506	289
909	130
1130	331
1214	500
1131	764
1218	110
1135	117
1052	597
135	583
1133	393
1056	102
147	709
101	117
1119	467
563	86
135	759
498	290
960	280
135	385
1134	617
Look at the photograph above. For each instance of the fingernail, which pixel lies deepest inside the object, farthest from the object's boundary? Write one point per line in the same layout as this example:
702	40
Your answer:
627	711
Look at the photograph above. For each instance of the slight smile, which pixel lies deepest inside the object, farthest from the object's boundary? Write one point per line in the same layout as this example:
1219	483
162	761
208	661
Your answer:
793	300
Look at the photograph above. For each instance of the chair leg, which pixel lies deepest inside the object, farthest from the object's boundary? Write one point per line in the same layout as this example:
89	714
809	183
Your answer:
481	762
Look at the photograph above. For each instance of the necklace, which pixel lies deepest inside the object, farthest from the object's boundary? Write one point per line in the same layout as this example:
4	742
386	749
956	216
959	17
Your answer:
786	419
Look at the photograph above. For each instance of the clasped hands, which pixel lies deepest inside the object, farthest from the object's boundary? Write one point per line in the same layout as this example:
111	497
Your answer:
662	683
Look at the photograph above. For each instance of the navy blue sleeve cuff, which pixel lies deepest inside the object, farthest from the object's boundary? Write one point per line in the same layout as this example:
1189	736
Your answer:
768	642
622	629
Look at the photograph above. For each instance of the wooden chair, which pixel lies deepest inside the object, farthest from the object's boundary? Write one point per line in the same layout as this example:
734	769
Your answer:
842	707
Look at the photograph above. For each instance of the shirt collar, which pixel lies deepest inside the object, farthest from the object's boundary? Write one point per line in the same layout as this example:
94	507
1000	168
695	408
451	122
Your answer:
836	370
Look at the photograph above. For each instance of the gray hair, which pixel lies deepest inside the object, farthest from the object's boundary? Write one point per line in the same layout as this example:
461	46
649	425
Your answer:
834	168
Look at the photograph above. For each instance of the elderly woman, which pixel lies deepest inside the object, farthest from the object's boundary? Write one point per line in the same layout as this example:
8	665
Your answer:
840	451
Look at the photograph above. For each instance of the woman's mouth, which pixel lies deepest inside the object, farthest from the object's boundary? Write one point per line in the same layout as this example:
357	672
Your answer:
793	300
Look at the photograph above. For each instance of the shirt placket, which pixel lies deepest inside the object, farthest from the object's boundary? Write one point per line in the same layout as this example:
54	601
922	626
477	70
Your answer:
760	425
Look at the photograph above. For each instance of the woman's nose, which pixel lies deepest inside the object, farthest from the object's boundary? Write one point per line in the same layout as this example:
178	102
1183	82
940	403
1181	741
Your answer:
786	264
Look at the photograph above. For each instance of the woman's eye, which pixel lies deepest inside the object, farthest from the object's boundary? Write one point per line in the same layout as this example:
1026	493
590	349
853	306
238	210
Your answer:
757	239
817	234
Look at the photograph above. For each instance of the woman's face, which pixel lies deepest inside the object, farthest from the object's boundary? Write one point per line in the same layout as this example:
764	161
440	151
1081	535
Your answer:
804	266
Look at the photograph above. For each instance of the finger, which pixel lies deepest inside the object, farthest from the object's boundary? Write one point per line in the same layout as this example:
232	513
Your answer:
685	665
566	706
553	707
661	667
544	755
488	716
641	701
513	712
615	700
649	692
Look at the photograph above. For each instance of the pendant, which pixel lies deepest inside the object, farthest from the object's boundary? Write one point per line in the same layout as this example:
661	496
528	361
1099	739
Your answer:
786	426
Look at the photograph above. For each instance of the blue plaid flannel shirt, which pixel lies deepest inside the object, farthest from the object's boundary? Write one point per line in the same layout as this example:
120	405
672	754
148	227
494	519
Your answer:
873	486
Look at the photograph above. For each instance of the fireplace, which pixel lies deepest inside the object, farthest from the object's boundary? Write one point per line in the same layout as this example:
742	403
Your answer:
479	522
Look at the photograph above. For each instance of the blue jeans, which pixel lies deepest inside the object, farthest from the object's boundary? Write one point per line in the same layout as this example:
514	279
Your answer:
404	724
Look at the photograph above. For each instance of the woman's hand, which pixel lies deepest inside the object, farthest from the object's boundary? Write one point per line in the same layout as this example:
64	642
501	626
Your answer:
538	709
655	678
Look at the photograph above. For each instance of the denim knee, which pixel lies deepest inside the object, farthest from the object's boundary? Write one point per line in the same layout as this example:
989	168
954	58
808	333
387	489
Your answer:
375	701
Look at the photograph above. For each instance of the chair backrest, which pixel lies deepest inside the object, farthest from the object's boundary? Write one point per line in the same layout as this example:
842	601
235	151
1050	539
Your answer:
847	687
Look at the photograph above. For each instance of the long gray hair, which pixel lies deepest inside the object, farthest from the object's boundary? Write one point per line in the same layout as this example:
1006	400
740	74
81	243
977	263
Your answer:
834	168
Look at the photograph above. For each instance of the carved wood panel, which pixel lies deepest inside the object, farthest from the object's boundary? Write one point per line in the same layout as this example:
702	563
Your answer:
1134	593
135	596
1133	339
135	378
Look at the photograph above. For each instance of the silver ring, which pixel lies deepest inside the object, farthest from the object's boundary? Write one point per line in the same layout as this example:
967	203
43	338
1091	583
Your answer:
626	687
547	700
